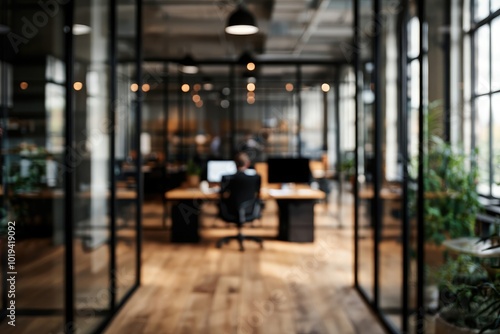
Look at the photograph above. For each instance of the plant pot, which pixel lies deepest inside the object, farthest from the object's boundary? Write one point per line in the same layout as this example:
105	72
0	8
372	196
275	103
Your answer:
193	181
444	327
431	297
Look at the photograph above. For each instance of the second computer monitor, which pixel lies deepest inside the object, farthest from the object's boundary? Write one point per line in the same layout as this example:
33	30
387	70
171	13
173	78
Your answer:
288	170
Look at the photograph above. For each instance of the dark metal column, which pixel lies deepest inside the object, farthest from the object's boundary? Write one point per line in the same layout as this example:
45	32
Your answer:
233	107
338	151
3	146
447	70
358	104
180	115
138	119
324	147
112	133
69	179
422	149
405	159
377	172
165	142
299	110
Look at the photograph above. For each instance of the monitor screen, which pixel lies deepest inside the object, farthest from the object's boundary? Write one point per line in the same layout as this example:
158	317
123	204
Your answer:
217	168
288	170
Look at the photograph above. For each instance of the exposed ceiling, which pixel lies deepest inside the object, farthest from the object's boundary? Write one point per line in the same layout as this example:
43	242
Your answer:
301	29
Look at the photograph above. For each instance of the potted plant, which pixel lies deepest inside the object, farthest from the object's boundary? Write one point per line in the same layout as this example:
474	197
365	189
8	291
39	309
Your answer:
193	171
451	203
347	168
470	300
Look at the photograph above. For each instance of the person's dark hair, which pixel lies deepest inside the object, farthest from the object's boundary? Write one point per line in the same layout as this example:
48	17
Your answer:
242	160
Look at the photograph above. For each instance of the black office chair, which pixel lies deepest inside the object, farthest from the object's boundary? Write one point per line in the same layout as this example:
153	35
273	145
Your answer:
239	203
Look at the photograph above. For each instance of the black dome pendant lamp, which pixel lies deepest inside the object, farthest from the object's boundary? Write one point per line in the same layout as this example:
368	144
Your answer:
241	22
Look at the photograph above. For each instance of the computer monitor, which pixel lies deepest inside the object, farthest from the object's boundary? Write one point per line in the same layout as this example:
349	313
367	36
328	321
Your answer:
288	170
217	168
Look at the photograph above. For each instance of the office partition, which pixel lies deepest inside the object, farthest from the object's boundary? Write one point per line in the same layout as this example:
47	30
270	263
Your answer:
67	87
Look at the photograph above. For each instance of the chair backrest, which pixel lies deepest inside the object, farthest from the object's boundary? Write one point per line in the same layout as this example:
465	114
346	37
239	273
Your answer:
239	198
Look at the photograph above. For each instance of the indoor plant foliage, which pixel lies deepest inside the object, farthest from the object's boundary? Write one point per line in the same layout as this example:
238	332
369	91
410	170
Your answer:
470	299
450	210
193	171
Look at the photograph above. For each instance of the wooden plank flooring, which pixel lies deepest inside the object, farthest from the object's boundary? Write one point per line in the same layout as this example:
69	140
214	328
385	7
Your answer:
283	288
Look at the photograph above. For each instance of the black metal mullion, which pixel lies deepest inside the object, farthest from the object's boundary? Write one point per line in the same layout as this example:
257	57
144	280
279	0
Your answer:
377	173
447	72
403	140
138	119
490	125
112	133
421	168
233	107
473	79
486	20
298	74
3	160
357	102
69	180
165	140
180	116
324	146
337	140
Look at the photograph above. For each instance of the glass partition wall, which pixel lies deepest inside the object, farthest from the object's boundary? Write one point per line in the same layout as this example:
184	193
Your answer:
430	188
66	77
224	108
266	109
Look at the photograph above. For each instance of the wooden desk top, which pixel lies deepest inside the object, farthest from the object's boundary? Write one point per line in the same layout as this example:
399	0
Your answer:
121	194
265	193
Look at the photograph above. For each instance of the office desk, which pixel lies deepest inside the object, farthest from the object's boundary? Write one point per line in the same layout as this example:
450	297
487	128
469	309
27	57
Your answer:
296	212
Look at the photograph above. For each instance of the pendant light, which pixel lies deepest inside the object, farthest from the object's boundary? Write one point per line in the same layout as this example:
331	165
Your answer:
188	65
241	22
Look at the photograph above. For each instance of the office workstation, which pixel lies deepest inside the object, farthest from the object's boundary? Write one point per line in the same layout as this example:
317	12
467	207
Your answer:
286	182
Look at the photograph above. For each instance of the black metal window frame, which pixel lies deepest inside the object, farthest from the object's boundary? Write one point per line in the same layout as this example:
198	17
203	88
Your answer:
472	32
70	324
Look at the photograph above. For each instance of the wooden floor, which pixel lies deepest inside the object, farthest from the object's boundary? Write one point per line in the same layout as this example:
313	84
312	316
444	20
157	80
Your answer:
283	288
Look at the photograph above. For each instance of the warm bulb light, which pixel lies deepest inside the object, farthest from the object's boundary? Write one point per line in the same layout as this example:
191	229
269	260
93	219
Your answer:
196	98
251	87
289	87
250	66
134	87
77	85
325	87
23	85
185	88
196	87
146	87
251	100
199	104
250	94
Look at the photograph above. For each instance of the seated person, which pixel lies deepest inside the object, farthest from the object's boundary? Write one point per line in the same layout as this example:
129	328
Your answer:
240	201
242	161
231	185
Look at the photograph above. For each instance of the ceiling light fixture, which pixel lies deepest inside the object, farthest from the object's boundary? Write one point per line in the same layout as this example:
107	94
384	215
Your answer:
188	65
241	22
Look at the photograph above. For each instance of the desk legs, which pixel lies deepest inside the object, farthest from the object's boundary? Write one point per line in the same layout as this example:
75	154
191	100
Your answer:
185	221
296	220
